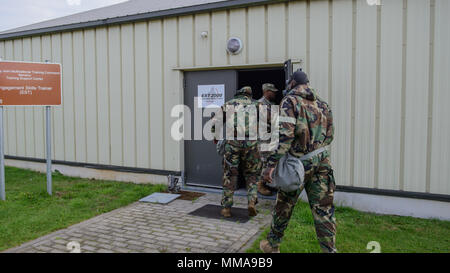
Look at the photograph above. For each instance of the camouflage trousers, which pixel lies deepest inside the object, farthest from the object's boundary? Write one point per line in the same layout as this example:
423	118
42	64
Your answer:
244	156
320	186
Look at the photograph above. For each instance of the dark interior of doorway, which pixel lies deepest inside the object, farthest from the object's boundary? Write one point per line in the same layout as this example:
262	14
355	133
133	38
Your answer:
255	78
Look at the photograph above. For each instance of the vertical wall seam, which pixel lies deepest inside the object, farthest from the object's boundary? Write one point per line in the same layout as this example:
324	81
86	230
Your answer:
377	103
147	32
96	94
84	94
73	98
134	87
266	33
431	93
308	35
228	33
108	54
403	96
286	30
246	36
210	33
162	94
353	92
121	93
194	41
63	116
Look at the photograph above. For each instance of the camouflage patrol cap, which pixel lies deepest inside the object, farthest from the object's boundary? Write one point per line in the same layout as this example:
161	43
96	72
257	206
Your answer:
270	87
245	89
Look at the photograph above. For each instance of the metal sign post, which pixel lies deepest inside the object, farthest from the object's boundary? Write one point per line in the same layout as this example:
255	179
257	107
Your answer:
49	148
48	138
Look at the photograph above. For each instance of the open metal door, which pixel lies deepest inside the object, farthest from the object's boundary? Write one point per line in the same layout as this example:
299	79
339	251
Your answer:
288	71
203	166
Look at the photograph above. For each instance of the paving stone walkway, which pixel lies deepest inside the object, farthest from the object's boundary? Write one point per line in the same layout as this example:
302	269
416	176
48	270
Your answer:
155	228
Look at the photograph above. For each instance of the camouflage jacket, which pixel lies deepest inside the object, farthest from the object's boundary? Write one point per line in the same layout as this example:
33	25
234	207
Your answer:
241	101
306	124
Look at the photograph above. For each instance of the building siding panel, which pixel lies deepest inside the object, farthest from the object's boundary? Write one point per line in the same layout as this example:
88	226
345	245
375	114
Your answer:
120	85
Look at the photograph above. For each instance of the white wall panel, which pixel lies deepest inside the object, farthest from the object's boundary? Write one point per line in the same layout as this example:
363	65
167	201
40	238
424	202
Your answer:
219	34
142	95
128	96
390	94
57	112
202	45
79	94
416	104
319	47
276	33
115	95
440	152
297	30
156	95
172	94
365	95
342	89
103	96
68	97
90	92
186	37
238	27
256	35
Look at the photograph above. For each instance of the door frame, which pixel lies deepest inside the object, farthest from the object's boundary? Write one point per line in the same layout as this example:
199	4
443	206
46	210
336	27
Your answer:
295	63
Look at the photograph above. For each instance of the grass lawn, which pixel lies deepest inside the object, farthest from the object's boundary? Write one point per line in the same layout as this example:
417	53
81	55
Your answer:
29	212
355	229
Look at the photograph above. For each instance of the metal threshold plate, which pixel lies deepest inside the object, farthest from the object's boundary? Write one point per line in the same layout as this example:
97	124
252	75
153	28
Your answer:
159	197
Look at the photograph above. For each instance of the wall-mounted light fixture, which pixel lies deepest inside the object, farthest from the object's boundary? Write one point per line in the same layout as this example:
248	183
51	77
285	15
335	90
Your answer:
234	45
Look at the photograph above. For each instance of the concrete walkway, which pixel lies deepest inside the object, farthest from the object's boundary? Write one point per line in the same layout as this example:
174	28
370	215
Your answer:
145	227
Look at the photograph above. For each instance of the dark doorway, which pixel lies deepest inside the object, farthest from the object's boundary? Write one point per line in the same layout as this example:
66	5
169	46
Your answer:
257	77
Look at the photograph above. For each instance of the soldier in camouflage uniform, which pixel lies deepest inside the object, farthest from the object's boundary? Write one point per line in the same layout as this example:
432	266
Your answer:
306	124
268	99
240	154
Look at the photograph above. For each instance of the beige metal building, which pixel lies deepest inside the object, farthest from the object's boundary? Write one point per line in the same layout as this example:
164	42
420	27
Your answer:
383	68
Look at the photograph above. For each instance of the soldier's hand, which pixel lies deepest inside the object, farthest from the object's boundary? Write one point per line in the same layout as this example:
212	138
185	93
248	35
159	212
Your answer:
267	174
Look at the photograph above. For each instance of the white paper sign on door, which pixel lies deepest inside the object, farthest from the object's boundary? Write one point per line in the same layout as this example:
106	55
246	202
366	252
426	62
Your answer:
211	96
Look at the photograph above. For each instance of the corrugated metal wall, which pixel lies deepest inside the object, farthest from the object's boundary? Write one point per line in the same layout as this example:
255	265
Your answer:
385	71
